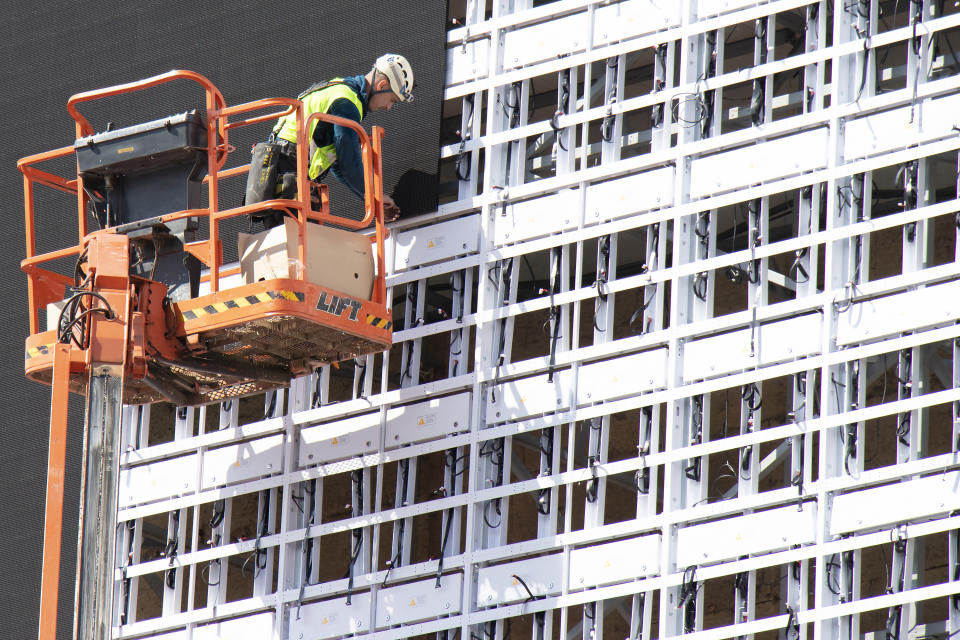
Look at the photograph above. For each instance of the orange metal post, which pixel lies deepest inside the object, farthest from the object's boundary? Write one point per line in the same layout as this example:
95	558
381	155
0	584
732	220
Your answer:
56	460
380	291
31	251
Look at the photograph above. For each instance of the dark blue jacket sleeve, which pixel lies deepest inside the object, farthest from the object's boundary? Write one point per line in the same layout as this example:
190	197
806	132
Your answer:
349	164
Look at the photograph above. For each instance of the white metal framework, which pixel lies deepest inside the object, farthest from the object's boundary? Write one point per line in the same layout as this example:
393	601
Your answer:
678	355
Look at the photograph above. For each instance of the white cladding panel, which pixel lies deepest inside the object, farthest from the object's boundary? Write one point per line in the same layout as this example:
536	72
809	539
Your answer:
437	242
632	18
901	128
749	534
419	600
605	201
244	461
912	500
614	562
255	626
567	35
518	399
706	8
429	420
775	342
630	194
499	584
467	62
628	375
879	317
156	480
537	217
330	618
759	163
544	41
340	440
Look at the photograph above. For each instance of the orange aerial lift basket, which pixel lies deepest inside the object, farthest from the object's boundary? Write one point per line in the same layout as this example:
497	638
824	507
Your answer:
187	338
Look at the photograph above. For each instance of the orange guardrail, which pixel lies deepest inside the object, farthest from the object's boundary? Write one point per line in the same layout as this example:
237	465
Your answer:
45	286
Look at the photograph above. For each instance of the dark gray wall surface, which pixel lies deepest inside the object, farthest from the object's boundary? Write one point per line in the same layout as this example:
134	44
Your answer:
250	50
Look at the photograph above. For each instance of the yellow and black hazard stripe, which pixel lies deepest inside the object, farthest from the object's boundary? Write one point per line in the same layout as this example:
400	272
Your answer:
379	323
39	350
242	301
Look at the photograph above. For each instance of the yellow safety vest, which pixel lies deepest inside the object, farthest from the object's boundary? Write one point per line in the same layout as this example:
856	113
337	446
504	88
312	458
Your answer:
318	101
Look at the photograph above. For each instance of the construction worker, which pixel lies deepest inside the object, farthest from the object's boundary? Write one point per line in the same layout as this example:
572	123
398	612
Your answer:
332	147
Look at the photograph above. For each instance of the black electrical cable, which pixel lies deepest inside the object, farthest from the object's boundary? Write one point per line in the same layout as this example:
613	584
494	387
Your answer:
692	471
757	100
553	318
700	286
356	483
271	404
259	555
730	475
740	583
461	154
754	211
205	571
660	66
172	549
360	363
797	269
69	317
218	510
496	457
443	545
409	353
831	565
752	397
688	598
955	598
746	458
603	249
903	419
546	452
792	630
131	527
562	108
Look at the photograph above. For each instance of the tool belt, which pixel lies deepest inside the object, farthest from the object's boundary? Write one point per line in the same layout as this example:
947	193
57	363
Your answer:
273	175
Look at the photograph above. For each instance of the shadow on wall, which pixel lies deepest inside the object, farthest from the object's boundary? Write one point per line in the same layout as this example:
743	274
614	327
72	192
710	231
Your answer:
416	193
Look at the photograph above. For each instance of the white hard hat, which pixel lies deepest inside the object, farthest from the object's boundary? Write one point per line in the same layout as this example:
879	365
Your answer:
399	74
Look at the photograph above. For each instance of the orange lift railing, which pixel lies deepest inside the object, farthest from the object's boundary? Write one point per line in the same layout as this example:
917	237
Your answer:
228	342
369	326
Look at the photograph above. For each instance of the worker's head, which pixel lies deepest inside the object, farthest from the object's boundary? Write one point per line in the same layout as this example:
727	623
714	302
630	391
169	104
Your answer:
390	82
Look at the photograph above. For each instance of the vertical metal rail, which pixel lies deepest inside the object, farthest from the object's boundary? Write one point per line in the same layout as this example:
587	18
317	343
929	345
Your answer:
53	510
403	530
481	470
680	116
98	561
841	198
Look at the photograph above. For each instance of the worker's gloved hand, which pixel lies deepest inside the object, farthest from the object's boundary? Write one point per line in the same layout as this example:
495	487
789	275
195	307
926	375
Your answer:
314	193
390	209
